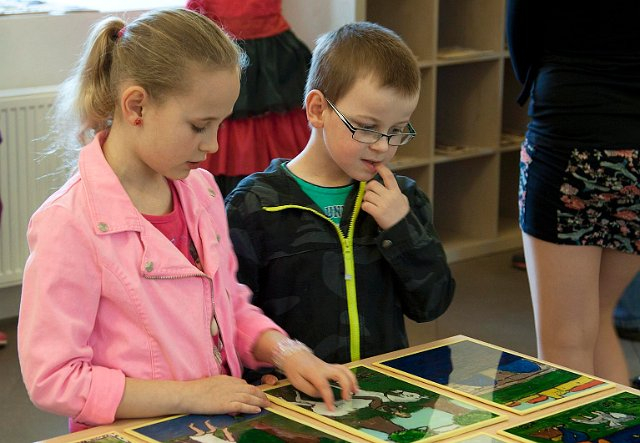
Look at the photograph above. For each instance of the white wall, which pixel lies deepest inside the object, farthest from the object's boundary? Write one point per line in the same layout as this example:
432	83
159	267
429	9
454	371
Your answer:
40	50
310	18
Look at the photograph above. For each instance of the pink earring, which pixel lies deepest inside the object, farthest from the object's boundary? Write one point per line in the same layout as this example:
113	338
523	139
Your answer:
138	121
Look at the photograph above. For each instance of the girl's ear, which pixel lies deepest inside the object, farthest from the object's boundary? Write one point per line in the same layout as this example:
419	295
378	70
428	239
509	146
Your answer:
132	102
315	106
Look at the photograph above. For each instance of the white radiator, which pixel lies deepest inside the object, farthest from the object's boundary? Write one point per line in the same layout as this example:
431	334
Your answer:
25	180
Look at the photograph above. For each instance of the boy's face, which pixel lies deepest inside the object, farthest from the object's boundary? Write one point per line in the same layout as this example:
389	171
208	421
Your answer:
367	105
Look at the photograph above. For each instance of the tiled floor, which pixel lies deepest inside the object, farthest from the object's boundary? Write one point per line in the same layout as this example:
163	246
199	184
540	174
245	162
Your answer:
491	303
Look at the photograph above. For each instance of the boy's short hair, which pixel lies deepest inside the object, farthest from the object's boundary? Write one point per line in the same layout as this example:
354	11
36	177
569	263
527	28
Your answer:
357	50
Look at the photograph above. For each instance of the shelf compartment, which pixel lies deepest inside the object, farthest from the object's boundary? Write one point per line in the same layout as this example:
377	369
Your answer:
514	116
510	141
508	197
466	199
414	20
468	104
421	147
422	174
472	25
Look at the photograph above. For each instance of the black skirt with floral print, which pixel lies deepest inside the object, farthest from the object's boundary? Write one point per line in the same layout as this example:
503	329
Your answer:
581	196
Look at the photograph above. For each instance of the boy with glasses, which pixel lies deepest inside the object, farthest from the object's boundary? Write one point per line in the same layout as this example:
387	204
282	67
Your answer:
335	246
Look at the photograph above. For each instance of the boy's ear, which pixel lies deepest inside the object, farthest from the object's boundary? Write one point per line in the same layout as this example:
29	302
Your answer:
132	102
315	105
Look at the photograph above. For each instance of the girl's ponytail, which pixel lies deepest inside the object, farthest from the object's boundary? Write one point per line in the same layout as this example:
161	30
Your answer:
85	101
155	52
96	96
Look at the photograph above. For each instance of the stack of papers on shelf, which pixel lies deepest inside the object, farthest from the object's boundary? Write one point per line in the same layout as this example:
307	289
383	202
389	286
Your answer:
454	150
455	52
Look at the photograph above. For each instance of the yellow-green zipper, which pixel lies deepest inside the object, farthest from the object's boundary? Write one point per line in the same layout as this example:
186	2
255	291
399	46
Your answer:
349	267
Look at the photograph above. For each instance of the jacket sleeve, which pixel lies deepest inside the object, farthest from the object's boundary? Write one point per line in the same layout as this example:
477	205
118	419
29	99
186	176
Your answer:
60	297
250	321
241	209
414	252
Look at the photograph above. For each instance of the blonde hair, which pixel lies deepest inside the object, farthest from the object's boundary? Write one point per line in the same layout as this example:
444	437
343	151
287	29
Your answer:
154	51
357	50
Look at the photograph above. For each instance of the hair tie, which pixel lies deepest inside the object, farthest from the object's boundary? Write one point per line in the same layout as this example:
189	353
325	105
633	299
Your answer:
121	31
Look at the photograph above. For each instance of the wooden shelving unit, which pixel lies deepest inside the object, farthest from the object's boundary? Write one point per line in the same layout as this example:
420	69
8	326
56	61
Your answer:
467	152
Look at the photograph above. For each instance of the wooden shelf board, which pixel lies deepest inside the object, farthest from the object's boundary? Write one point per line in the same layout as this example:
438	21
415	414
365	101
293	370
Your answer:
510	141
458	249
424	64
509	148
481	57
508	227
405	162
473	152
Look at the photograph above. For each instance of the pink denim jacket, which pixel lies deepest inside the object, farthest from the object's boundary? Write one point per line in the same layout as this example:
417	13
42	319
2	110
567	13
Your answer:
106	296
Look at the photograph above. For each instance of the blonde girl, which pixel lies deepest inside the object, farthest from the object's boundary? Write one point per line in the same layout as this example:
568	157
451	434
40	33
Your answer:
130	304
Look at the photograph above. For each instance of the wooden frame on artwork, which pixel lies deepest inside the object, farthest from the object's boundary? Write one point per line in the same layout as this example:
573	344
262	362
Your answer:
107	437
480	437
387	408
612	419
494	375
267	426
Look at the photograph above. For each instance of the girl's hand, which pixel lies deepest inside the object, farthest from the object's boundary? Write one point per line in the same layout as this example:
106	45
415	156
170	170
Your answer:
311	375
223	394
385	202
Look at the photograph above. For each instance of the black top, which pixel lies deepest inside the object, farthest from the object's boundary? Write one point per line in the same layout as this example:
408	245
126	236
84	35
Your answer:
294	261
580	62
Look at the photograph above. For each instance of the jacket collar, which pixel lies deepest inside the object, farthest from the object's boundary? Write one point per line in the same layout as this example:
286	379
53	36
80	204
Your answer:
110	207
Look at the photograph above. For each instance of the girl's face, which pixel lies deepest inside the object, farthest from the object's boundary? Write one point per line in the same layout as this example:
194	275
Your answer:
367	106
178	133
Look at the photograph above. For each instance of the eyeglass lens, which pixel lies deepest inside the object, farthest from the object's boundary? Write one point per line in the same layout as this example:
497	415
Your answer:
364	136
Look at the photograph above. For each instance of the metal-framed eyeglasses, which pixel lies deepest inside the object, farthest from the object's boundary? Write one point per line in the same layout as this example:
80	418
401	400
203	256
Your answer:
370	136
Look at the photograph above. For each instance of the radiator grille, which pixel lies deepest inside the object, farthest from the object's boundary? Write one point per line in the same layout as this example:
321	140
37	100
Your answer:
25	177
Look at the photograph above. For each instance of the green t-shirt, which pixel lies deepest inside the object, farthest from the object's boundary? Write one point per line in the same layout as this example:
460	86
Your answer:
330	200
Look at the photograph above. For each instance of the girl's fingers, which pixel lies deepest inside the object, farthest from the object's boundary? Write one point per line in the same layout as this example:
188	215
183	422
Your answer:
347	381
243	408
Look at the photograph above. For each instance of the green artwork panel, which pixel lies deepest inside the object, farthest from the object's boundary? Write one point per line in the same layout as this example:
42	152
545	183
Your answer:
480	438
266	427
110	437
495	376
613	419
387	408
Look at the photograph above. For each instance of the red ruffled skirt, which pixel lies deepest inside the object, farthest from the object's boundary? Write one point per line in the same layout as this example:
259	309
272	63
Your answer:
248	145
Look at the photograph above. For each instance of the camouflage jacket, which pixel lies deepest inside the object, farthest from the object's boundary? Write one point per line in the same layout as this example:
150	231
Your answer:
341	290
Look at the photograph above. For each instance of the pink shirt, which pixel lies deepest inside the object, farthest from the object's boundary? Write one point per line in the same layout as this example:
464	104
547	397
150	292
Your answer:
174	226
106	296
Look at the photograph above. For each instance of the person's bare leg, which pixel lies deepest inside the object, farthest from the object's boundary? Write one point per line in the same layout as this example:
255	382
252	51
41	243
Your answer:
616	272
564	282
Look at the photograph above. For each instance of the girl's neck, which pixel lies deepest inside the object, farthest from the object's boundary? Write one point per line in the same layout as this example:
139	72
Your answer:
149	191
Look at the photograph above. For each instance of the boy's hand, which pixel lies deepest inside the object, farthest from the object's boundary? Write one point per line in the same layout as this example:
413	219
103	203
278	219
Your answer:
311	375
385	202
